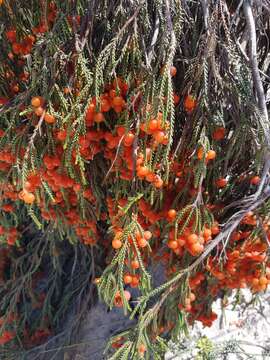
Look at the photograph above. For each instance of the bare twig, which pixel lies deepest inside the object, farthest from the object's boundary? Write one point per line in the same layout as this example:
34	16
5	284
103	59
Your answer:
247	59
265	6
150	53
236	13
231	225
114	160
205	12
263	232
199	199
168	17
35	132
89	19
253	59
132	18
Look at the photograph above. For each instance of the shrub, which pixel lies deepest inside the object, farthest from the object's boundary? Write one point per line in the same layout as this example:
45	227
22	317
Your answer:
132	133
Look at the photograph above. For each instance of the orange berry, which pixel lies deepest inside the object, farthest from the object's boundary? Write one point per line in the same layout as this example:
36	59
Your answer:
61	135
219	133
127	295
118	109
153	124
221	183
92	107
192	239
116	244
118	302
135	264
142	242
172	244
176	99
77	187
181	241
138	235
67	90
200	153
159	136
120	130
112	93
150	177
211	154
197	248
135	281
22	194
263	280
207	233
189	103
50	119
129	138
127	279
35	102
158	182
142	171
16	48
11	35
27	197
215	229
186	232
139	161
99	117
255	180
104	105
236	236
141	349
147	235
173	71
171	214
15	88
117	101
39	111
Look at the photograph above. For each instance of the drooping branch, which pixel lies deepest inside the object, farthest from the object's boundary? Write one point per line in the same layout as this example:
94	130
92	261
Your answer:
205	12
253	58
230	226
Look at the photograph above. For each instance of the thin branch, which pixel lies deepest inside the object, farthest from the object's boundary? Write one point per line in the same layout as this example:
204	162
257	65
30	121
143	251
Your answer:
132	18
35	132
266	7
230	226
236	13
253	59
168	17
263	232
205	13
247	59
154	40
114	160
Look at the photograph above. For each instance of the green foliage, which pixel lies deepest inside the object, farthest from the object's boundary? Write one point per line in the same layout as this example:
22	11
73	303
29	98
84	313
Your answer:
126	85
